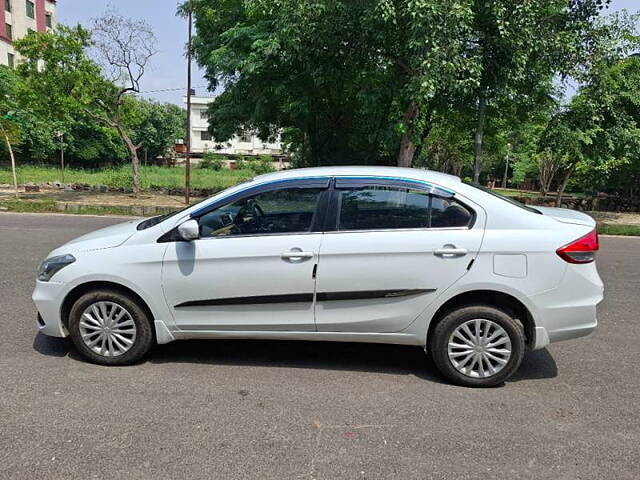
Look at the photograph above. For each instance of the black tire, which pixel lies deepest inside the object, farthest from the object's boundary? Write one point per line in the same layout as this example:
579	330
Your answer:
144	337
439	340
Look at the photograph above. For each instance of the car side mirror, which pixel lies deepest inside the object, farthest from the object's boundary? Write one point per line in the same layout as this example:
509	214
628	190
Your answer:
189	230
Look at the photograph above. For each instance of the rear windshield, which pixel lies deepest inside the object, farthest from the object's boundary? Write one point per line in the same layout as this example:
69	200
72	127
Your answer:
505	198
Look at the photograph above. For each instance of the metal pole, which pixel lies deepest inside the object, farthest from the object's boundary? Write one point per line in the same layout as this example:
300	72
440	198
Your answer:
187	159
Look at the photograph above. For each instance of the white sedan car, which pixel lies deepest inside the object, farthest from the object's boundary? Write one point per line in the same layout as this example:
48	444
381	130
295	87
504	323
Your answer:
352	254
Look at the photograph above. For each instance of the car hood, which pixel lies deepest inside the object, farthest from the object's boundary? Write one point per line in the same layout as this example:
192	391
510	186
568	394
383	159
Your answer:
108	237
565	215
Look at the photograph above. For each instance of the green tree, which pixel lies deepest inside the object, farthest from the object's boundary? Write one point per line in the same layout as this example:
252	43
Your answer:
9	132
58	63
154	125
598	133
521	46
347	82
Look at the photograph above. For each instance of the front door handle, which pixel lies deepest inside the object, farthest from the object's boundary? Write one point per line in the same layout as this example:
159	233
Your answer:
296	254
450	251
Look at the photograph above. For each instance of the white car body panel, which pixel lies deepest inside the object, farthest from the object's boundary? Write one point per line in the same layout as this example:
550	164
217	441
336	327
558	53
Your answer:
233	267
513	253
388	260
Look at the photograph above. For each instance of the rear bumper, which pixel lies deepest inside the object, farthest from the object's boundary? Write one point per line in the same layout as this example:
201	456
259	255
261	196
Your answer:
568	311
47	297
545	337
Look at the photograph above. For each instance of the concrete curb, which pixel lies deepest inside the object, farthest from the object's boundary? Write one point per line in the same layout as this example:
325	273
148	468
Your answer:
132	210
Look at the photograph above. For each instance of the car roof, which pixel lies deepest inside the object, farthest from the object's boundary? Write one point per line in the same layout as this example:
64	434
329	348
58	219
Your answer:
363	171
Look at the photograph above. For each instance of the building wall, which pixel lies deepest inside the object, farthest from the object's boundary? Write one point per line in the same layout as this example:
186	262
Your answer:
248	144
21	23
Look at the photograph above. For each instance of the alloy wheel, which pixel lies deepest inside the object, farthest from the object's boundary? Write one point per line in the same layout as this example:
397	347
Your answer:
479	348
107	328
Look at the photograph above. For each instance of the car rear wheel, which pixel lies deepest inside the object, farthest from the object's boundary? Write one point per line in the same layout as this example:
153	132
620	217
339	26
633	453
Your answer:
110	328
477	346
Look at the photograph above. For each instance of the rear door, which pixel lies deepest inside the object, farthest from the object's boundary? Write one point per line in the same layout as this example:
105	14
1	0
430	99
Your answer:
390	249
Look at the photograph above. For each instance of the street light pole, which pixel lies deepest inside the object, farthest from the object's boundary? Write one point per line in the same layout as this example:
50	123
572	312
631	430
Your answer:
187	156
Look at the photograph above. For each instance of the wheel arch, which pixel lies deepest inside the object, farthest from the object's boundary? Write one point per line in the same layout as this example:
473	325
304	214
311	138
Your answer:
494	298
76	292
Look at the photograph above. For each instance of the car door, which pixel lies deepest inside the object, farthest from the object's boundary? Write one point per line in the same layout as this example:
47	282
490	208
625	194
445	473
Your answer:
252	267
394	247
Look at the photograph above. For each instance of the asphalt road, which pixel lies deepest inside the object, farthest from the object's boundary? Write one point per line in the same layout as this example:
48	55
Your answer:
280	410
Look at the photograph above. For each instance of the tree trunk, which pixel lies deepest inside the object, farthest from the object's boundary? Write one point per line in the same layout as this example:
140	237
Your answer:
562	187
13	162
407	147
133	154
477	148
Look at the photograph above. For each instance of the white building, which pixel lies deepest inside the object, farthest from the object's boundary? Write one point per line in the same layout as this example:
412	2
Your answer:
19	17
246	144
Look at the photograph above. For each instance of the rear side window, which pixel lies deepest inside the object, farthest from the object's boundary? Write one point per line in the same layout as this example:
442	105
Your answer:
446	212
386	207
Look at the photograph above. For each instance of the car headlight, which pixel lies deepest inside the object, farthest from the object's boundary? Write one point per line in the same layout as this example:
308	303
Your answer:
52	265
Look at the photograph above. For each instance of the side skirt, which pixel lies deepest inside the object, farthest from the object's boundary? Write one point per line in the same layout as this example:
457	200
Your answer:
392	338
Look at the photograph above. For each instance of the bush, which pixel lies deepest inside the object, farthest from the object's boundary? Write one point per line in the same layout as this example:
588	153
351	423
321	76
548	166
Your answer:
118	178
212	161
261	165
241	163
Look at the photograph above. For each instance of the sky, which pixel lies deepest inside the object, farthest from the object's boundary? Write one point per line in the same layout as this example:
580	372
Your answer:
168	67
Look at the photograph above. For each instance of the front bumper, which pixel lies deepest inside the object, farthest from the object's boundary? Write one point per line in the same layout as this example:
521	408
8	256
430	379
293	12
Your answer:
48	297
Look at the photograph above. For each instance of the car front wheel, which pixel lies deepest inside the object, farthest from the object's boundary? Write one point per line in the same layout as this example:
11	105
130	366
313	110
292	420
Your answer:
477	346
110	328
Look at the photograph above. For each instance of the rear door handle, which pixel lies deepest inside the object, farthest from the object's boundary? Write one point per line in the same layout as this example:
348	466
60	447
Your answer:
450	252
296	254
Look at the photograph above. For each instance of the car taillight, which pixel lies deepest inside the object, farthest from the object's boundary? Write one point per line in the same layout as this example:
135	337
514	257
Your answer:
582	250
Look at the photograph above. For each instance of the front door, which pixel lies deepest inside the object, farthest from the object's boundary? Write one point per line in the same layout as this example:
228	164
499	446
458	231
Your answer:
393	250
253	267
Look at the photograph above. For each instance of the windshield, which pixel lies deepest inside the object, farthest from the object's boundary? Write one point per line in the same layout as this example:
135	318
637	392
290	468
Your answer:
505	198
153	221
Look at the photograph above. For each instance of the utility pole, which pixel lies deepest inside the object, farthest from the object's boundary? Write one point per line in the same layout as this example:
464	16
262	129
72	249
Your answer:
187	155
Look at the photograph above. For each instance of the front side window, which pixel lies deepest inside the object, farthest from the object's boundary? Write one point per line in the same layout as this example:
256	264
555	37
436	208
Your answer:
11	60
9	31
290	210
30	9
7	5
388	207
205	136
48	20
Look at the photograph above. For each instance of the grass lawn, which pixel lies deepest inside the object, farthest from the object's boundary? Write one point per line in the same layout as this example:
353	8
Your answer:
511	192
120	177
612	229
